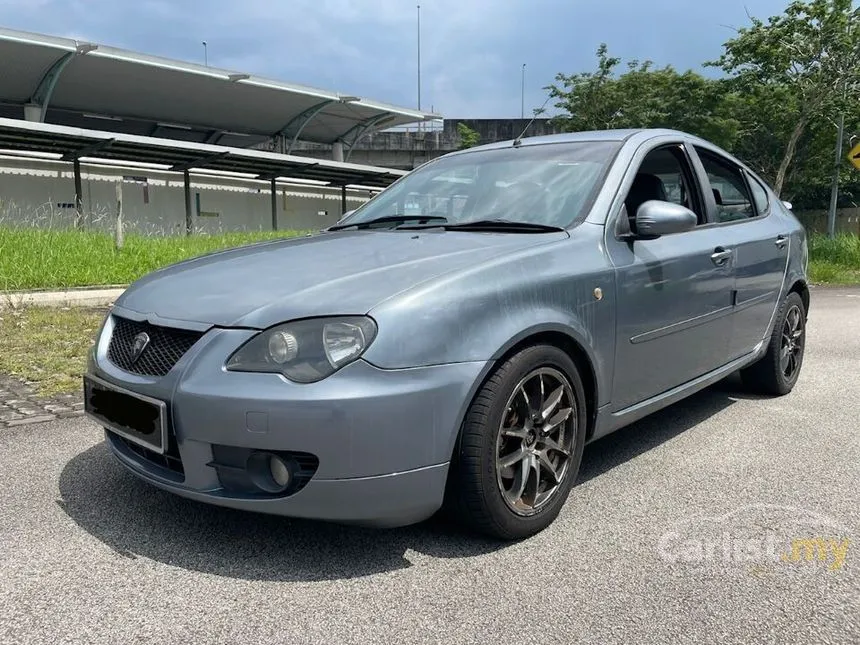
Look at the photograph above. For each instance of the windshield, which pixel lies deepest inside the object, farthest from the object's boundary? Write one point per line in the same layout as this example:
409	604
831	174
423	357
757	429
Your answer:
540	184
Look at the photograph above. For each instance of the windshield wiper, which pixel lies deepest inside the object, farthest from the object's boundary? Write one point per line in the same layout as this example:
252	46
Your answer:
495	225
391	219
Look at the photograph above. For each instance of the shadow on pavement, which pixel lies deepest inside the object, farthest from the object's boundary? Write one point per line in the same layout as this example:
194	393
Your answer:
633	440
139	520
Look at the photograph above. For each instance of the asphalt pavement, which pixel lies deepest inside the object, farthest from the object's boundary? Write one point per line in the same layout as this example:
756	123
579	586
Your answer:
726	518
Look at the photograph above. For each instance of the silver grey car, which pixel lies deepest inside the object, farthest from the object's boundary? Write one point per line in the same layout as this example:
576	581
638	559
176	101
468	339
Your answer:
457	340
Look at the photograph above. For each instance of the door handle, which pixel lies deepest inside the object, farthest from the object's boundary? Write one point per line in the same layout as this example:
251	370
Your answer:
720	256
781	241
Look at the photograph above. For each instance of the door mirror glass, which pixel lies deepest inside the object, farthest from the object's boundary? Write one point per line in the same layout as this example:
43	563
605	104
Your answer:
655	218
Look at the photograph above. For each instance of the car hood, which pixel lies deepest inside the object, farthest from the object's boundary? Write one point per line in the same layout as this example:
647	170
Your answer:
347	272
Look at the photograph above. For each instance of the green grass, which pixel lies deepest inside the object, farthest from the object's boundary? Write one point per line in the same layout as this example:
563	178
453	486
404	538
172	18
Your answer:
834	261
47	346
32	258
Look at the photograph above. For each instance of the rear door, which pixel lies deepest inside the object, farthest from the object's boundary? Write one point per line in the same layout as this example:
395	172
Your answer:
739	208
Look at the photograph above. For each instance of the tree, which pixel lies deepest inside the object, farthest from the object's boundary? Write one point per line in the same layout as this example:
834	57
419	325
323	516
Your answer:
810	54
643	97
469	138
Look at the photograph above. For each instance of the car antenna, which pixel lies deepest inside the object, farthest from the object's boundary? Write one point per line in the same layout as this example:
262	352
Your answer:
519	140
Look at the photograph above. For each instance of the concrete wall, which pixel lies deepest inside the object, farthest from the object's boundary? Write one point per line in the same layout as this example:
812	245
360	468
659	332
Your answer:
408	149
42	193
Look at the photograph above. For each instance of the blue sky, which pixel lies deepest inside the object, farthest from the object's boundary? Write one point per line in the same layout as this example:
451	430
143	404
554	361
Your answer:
472	50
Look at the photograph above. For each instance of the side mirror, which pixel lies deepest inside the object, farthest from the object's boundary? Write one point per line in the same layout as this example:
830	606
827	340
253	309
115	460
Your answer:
345	215
655	218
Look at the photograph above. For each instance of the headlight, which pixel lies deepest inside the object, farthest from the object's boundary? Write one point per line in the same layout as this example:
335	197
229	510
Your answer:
306	350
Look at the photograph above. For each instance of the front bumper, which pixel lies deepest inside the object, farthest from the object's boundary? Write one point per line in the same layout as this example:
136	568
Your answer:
383	438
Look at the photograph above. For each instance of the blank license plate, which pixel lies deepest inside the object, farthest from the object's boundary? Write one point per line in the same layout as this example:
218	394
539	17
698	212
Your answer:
138	418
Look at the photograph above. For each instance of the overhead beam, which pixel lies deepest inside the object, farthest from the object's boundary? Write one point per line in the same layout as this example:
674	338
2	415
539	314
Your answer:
87	151
286	172
41	96
298	122
359	130
199	162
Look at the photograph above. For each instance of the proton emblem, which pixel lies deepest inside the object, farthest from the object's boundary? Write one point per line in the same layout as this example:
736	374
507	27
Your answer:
141	341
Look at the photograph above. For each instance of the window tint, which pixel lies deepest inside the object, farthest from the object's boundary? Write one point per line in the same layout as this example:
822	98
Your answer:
729	188
759	195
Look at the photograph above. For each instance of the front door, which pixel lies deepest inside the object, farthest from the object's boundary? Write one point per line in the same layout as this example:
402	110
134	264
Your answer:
674	295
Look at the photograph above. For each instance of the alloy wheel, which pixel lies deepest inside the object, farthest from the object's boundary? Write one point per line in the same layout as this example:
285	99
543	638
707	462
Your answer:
535	440
792	342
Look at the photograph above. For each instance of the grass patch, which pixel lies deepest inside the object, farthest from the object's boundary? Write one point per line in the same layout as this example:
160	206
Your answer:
32	258
834	260
47	346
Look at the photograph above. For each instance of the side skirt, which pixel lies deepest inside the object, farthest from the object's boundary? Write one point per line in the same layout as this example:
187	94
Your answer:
608	421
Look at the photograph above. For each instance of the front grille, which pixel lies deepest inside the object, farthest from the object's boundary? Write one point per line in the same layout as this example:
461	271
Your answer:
166	346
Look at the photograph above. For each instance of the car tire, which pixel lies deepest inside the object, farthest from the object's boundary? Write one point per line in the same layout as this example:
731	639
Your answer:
771	374
482	488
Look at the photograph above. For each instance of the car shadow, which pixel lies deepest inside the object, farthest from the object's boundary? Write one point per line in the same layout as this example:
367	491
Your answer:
657	428
136	519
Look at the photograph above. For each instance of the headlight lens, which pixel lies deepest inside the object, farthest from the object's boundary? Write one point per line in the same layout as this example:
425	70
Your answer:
305	351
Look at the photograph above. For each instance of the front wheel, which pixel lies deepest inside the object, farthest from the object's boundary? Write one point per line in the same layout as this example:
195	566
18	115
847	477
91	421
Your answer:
520	446
777	371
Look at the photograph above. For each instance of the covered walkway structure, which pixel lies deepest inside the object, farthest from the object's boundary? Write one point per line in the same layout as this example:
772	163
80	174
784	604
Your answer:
63	143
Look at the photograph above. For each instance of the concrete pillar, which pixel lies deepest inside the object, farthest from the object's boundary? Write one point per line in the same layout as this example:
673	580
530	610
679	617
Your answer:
189	211
337	151
33	112
79	194
274	206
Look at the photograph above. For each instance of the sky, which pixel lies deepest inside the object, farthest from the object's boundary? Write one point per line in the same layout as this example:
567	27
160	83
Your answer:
472	51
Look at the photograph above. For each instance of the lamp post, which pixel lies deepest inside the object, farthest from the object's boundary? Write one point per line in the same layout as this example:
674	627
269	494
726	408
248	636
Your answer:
419	57
205	54
523	94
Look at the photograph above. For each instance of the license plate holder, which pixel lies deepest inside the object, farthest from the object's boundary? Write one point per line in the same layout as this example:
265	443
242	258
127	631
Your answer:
135	417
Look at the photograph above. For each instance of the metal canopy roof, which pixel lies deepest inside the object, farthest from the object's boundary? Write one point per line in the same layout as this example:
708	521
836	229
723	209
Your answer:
68	144
93	85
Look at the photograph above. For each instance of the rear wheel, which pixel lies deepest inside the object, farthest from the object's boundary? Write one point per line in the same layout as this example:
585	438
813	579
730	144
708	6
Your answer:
520	446
777	371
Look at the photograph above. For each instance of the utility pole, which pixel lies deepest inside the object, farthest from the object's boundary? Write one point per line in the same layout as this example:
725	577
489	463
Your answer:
419	57
834	188
523	94
205	54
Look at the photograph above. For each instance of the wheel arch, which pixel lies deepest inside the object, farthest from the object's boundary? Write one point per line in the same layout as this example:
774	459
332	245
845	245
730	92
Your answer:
802	289
566	342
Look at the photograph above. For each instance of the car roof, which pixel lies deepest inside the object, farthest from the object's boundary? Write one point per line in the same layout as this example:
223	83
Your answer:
572	137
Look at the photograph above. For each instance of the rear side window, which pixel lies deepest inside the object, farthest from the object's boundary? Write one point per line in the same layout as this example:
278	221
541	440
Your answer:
728	187
759	194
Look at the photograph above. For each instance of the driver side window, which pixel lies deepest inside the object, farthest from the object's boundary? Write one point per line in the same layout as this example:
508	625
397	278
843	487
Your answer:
664	175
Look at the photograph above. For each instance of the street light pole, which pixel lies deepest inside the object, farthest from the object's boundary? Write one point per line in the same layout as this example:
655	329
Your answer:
834	187
419	57
523	94
205	54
